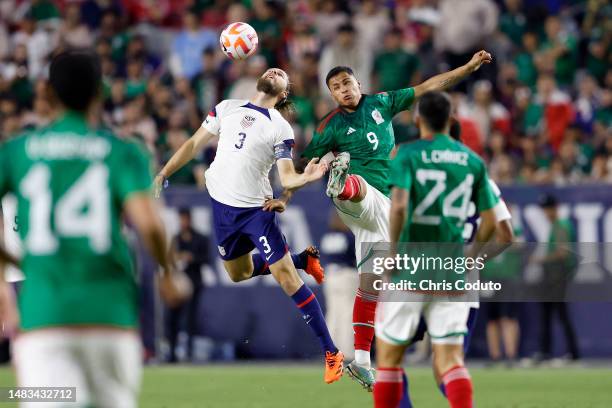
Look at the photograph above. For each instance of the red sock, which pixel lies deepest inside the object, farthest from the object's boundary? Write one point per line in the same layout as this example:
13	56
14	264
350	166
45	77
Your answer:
351	188
458	386
388	387
364	310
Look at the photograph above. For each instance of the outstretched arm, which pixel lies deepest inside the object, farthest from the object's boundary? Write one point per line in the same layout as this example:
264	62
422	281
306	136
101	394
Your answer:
448	79
187	152
291	180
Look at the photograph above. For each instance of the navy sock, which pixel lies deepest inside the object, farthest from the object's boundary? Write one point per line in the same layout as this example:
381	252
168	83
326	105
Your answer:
442	389
299	261
405	401
260	267
313	315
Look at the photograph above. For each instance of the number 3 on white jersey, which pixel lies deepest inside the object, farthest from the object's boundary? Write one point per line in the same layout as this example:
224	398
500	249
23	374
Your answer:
89	191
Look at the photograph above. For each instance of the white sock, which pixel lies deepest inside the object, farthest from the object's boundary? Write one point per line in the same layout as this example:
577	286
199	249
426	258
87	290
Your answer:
362	358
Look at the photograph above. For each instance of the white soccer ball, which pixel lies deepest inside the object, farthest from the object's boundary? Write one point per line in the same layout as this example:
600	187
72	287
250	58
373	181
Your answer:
238	41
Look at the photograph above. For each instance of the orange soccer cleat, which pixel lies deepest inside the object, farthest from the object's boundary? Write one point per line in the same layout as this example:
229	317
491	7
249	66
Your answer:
313	265
333	366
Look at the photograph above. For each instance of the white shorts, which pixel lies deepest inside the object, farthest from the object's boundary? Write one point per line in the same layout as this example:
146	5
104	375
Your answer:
368	219
105	366
396	322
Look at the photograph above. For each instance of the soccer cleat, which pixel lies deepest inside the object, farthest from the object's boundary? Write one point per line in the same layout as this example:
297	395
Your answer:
313	265
337	174
333	366
362	375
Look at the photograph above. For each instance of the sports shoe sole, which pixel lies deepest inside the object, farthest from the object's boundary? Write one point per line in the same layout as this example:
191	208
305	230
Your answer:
357	378
337	175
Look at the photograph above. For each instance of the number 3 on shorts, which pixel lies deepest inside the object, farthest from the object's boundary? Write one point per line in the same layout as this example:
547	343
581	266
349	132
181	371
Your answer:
264	242
373	139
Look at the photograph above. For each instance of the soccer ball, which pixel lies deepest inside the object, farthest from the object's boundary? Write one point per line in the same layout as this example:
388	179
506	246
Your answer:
238	41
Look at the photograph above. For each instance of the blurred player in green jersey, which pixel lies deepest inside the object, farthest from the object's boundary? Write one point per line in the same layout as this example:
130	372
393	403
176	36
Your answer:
78	305
360	131
433	181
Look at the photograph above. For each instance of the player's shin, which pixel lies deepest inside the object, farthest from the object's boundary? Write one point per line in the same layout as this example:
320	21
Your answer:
308	304
286	275
388	388
364	310
458	386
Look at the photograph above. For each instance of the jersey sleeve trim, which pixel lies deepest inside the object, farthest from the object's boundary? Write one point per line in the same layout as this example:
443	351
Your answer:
501	211
326	120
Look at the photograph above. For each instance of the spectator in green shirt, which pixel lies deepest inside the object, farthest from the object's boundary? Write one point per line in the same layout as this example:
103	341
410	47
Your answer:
512	22
562	47
268	28
44	10
394	68
524	60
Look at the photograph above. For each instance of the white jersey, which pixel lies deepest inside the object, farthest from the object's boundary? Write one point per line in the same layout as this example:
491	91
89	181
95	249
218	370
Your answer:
251	139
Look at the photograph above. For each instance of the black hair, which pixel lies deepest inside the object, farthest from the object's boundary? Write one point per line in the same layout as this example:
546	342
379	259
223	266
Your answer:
76	78
185	211
435	110
548	201
337	70
286	106
455	130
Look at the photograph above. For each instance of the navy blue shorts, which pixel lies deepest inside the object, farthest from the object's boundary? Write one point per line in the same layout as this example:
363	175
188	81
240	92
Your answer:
240	230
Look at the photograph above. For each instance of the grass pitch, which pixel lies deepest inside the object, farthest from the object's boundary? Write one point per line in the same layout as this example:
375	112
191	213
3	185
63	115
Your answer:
302	386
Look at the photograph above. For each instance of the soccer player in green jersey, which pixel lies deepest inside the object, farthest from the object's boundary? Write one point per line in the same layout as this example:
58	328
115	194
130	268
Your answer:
433	181
78	305
360	130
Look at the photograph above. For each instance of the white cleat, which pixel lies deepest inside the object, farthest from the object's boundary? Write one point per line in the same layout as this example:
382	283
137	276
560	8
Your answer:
337	174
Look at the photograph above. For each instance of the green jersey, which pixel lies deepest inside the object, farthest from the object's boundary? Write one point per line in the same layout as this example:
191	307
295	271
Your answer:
71	182
442	177
367	134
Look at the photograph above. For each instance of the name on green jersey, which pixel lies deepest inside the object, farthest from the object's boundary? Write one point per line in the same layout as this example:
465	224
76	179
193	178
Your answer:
66	146
445	156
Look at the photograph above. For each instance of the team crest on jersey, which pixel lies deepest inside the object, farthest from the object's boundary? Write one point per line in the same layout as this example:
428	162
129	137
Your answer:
247	121
377	117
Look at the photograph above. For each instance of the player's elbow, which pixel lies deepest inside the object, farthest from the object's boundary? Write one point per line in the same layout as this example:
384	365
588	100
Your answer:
289	180
142	213
397	210
487	224
504	233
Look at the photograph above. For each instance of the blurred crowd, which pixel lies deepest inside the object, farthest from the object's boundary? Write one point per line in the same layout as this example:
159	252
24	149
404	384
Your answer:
541	113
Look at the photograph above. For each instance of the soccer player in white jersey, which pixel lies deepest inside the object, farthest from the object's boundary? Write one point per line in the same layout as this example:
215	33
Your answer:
252	137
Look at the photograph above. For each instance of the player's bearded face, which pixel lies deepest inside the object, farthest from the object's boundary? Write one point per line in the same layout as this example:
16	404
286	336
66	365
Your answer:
272	82
345	90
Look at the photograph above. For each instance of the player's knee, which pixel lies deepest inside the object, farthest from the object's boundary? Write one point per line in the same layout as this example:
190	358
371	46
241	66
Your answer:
287	281
447	356
286	276
388	355
238	276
